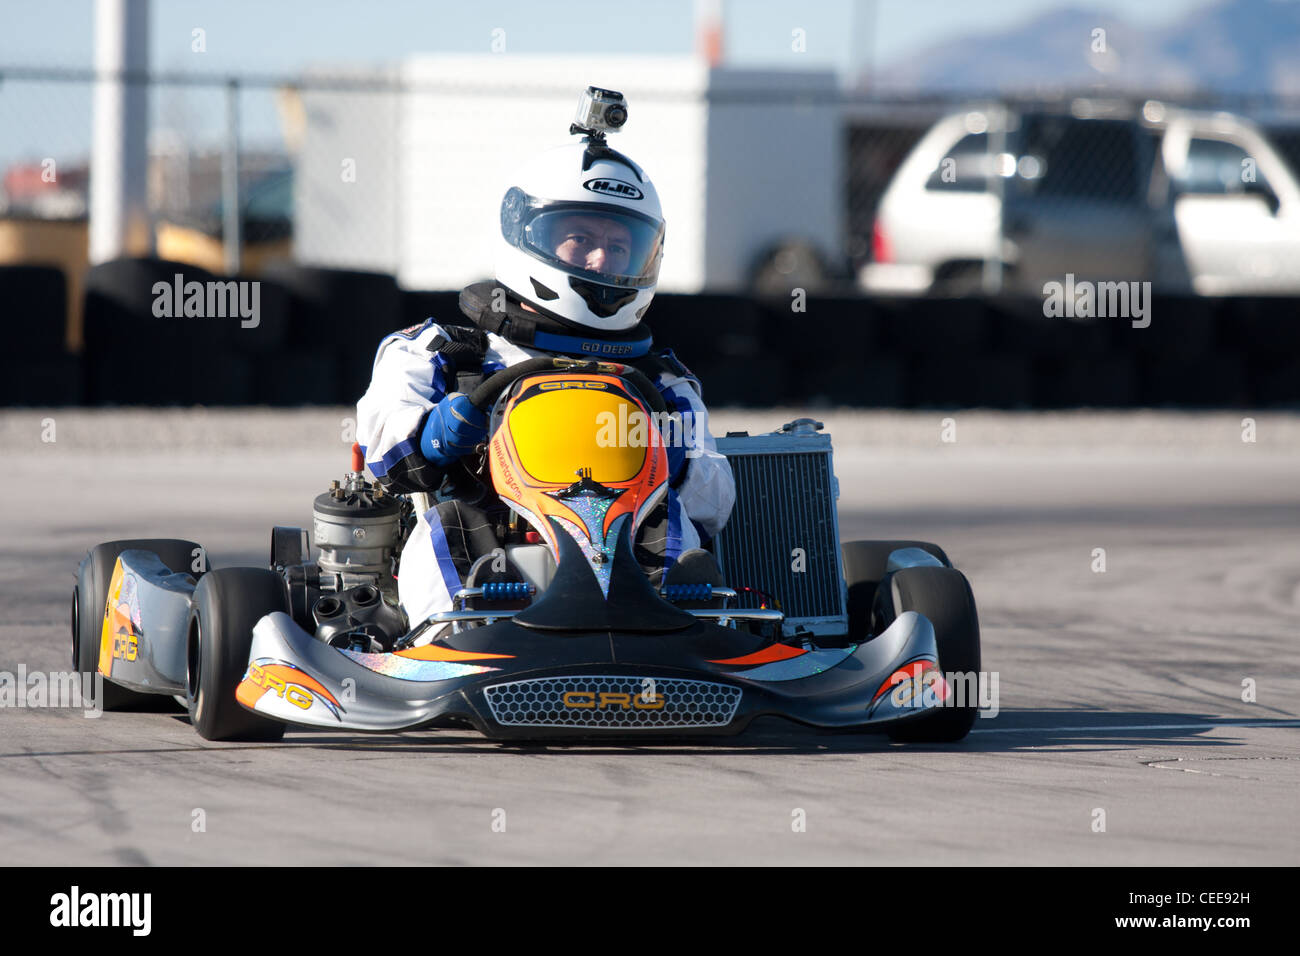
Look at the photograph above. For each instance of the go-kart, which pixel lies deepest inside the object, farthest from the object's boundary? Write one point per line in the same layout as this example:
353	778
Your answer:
560	633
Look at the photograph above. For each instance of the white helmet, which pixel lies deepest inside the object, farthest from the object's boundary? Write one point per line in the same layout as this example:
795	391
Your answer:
582	236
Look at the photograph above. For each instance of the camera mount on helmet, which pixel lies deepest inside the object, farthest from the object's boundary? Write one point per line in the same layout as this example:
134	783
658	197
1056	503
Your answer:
599	112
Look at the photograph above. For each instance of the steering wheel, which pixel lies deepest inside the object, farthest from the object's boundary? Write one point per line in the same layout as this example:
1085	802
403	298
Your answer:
491	388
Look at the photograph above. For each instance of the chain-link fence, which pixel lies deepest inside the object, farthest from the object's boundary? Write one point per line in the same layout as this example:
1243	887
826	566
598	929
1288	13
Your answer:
768	182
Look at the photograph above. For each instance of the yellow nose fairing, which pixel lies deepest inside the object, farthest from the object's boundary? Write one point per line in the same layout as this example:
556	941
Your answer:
566	426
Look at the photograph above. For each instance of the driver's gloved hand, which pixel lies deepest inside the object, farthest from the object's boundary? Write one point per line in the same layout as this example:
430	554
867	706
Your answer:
452	430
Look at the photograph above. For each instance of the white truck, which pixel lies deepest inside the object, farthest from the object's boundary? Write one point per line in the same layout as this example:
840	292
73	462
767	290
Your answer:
1190	200
411	182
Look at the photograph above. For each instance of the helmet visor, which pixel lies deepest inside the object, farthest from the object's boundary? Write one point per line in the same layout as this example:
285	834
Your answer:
596	242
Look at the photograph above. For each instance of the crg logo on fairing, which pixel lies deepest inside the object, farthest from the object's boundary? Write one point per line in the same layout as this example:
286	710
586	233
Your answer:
125	647
613	187
295	694
600	700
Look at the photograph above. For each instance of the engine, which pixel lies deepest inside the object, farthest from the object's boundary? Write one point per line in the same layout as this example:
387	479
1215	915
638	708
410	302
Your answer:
348	596
356	527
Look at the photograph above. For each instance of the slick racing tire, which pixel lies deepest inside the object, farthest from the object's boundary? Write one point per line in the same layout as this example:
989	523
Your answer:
225	606
864	569
942	595
90	596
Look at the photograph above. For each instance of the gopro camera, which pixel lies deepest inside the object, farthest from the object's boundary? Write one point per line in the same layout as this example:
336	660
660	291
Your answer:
600	111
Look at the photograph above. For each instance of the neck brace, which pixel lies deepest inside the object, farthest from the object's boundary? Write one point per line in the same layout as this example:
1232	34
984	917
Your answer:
550	333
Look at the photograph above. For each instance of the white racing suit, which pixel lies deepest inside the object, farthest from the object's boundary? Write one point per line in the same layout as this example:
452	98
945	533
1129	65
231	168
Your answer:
408	379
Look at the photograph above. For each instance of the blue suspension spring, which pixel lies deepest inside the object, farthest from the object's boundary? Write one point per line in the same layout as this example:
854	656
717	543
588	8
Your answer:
688	592
506	590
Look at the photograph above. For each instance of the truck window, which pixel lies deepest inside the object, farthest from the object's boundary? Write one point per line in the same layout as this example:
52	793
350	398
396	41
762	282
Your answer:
1216	167
1084	159
966	167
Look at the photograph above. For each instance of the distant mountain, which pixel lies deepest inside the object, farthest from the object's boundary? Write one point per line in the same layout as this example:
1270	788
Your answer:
1240	47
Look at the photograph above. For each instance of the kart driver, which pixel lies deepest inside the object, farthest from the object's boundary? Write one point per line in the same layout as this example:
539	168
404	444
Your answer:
578	259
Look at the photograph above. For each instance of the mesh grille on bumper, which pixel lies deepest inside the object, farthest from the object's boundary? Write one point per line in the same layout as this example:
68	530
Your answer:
612	702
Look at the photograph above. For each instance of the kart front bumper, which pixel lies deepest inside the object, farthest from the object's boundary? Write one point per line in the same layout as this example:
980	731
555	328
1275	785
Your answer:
594	685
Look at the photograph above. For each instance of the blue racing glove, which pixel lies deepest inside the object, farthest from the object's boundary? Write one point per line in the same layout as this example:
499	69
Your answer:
453	428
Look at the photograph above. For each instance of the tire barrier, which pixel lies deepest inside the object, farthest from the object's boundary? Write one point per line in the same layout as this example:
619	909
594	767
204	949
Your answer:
341	312
36	368
155	339
1089	381
317	330
41	382
34	301
726	342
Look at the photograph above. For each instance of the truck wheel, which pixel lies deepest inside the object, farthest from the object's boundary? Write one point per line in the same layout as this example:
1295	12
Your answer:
225	606
942	595
957	280
90	596
793	264
864	568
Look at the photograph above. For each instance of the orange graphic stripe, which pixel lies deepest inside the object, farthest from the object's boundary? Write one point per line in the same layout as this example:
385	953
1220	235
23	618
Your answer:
432	652
914	669
106	624
777	652
248	693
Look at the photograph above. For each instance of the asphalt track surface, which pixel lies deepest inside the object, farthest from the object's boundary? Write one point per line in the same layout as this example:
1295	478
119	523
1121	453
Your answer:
1118	691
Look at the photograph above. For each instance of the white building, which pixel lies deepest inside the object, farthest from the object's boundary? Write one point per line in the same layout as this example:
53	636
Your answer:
739	160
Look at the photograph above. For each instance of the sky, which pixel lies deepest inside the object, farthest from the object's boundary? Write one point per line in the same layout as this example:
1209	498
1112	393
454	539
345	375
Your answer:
282	37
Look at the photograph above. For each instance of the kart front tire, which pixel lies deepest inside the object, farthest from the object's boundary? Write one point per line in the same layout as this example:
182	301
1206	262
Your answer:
225	606
942	595
864	569
90	597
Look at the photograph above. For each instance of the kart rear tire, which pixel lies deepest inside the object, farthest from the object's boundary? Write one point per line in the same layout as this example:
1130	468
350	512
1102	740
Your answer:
864	569
90	596
225	606
943	595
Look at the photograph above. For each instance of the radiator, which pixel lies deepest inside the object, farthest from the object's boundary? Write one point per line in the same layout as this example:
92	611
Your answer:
783	535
